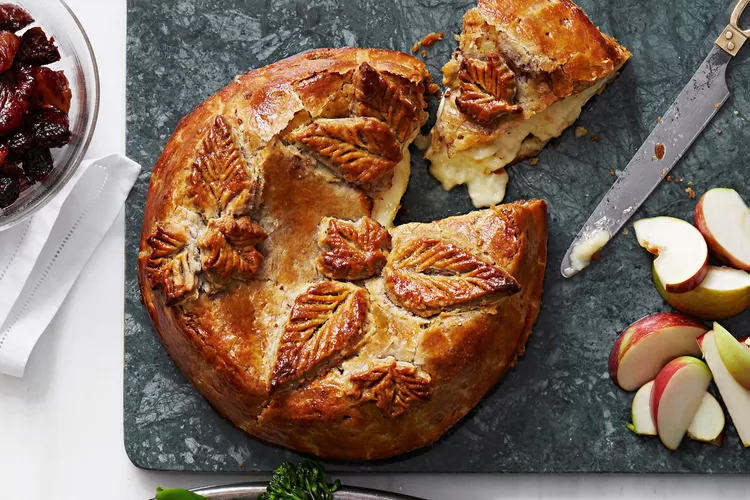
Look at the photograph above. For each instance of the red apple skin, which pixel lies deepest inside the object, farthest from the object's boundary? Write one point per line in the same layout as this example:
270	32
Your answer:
691	283
662	380
718	251
643	328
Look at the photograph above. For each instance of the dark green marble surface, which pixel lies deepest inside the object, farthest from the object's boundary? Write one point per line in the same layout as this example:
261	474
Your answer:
557	411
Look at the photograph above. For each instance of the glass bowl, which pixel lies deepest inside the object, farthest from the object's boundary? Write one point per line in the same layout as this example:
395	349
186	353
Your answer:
79	64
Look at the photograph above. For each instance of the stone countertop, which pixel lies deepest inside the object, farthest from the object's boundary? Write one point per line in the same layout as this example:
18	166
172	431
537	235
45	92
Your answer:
557	411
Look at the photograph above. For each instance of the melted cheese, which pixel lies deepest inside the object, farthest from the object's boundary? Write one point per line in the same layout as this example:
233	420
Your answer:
478	166
583	251
385	208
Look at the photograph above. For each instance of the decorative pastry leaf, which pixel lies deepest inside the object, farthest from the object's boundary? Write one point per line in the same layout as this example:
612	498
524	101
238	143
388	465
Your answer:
428	275
325	325
353	250
228	249
220	181
173	263
363	150
487	89
393	386
380	97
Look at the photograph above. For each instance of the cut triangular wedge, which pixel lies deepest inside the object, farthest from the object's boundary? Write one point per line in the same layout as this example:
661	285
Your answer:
676	397
522	73
708	424
736	398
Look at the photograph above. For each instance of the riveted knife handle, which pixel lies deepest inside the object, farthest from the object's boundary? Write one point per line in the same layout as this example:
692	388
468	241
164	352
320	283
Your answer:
734	37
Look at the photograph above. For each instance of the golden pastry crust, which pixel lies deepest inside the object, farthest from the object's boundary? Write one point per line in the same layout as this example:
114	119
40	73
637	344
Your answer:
553	51
262	269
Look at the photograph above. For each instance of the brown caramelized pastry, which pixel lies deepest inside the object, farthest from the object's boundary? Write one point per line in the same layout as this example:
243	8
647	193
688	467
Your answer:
522	73
273	279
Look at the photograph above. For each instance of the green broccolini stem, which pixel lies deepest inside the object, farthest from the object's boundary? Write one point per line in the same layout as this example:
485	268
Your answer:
305	481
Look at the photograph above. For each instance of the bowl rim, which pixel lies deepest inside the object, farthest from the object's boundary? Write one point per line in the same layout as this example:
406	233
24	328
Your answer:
81	153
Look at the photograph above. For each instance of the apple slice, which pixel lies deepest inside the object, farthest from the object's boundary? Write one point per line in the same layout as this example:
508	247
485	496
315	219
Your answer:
722	217
643	418
708	424
682	254
736	356
725	292
736	398
650	343
676	396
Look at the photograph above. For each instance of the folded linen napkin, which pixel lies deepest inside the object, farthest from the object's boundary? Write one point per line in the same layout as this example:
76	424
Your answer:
42	257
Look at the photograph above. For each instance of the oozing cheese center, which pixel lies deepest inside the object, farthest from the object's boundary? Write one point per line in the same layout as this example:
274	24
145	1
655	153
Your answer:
385	208
479	167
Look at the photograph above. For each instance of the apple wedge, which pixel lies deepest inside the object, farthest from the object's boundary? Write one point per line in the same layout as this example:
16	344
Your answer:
736	398
682	255
735	355
723	218
676	396
643	349
725	292
642	416
708	424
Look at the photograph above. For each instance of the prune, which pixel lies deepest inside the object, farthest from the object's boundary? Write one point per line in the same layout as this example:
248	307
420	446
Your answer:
51	89
8	48
37	164
36	49
19	140
50	128
13	17
10	190
16	86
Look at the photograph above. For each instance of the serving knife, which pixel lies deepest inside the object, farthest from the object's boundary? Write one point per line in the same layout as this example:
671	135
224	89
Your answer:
696	105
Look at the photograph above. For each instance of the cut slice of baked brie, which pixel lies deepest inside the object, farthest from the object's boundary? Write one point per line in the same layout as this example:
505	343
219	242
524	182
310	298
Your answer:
522	73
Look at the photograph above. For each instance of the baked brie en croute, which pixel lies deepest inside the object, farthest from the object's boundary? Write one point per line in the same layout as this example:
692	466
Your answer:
273	281
522	73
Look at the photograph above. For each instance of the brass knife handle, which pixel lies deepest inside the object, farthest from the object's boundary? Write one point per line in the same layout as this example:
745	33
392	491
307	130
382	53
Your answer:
733	37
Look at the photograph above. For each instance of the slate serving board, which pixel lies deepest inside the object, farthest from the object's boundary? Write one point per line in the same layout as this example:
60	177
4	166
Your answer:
557	411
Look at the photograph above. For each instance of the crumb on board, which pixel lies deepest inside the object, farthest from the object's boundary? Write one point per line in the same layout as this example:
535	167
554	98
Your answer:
659	120
690	193
596	138
429	40
717	105
612	172
654	158
664	172
580	131
660	150
668	178
534	161
423	54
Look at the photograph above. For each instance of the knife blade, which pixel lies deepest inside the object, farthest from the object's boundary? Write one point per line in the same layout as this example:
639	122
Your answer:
693	109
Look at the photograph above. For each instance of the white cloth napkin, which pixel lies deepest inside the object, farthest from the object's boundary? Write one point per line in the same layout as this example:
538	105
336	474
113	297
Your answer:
41	258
